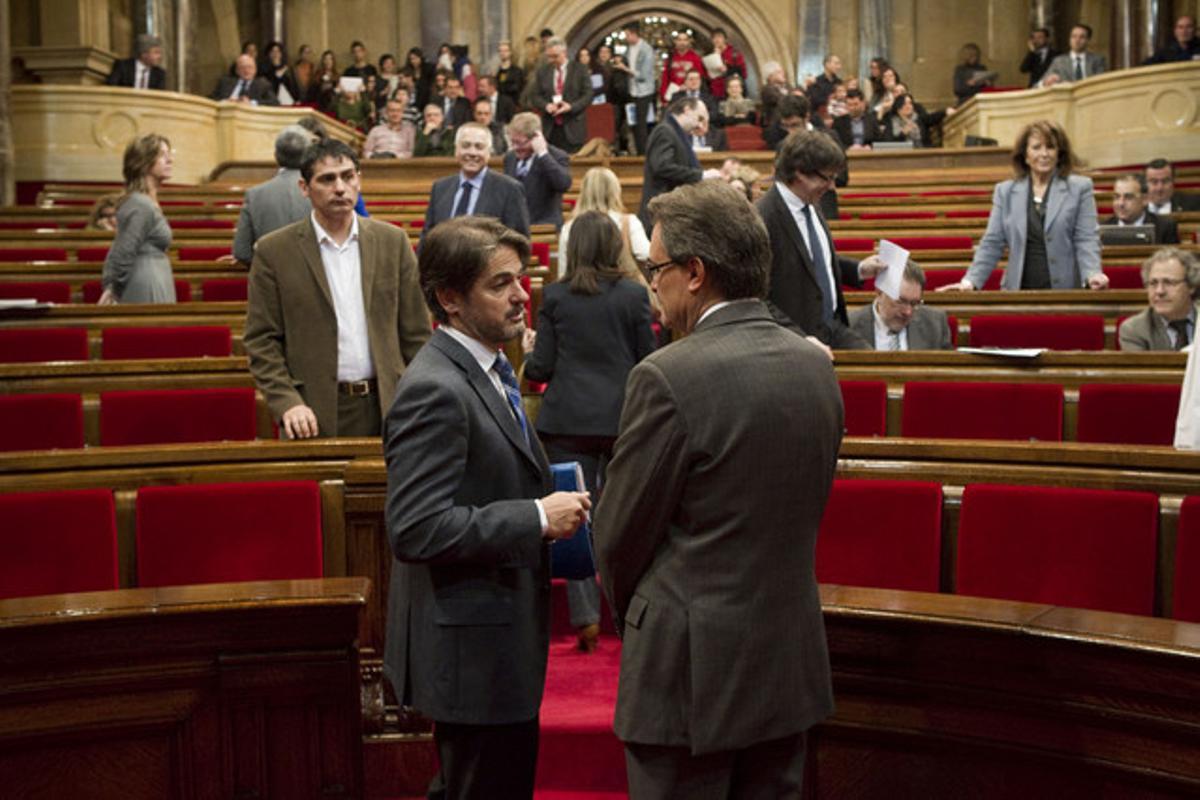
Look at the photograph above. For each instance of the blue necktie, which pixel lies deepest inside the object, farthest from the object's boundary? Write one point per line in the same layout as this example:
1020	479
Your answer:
464	203
512	391
817	255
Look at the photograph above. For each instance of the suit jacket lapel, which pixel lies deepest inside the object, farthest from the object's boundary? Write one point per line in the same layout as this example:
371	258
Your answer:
367	251
793	230
1056	198
312	258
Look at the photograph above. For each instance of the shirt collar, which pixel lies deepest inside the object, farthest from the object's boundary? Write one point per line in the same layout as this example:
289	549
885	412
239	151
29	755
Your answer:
790	198
476	182
323	235
483	355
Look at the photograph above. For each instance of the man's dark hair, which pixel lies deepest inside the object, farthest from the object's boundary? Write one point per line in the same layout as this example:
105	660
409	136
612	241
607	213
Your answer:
792	105
146	41
1140	180
327	148
633	25
713	221
479	100
855	93
456	252
1087	28
357	43
682	103
290	145
807	153
385	57
546	33
1161	163
1043	31
721	31
246	45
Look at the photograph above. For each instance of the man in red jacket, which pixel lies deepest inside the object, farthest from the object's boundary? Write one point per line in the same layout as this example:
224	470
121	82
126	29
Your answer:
676	69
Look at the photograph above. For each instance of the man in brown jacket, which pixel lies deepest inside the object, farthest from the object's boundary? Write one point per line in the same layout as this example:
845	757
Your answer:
335	308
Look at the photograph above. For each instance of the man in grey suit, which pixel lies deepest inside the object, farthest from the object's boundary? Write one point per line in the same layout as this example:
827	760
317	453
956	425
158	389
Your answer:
562	91
543	169
1076	64
904	323
470	516
278	202
724	663
1172	279
476	190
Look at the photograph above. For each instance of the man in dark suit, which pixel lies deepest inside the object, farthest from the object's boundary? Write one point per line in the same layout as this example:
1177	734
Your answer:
561	93
806	273
1129	205
470	513
1160	190
903	323
1041	55
245	86
455	106
278	202
670	160
724	663
543	169
857	129
144	70
476	190
503	108
693	86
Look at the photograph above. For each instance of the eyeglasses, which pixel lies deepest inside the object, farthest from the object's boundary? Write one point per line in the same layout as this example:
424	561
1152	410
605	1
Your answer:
1163	283
651	269
913	304
822	176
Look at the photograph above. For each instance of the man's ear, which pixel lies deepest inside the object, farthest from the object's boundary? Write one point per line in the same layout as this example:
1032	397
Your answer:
697	274
450	300
304	188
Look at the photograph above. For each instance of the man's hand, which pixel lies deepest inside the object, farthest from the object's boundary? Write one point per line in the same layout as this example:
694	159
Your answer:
528	340
713	174
1097	280
871	266
565	512
299	422
107	298
1050	80
538	142
962	286
821	345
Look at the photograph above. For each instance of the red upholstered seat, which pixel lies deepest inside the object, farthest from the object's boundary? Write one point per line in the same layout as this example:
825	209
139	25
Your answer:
27	224
940	410
744	137
203	253
1053	331
1085	548
25	345
956	193
866	407
91	253
15	254
166	342
202	224
57	542
902	215
867	195
952	324
167	416
42	291
181	203
223	290
1124	276
850	245
933	242
541	251
1186	595
41	421
969	213
417	224
1128	413
601	122
883	534
217	532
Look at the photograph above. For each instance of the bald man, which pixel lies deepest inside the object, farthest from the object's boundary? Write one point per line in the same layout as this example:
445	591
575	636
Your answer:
244	86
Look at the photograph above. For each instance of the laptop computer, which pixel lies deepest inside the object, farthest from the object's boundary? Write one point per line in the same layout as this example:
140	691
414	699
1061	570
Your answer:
1126	234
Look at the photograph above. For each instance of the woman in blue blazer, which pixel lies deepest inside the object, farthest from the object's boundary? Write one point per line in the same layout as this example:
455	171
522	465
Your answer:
593	327
1045	217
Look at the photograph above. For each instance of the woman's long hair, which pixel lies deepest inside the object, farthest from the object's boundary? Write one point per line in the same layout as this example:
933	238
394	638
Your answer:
600	191
593	253
140	156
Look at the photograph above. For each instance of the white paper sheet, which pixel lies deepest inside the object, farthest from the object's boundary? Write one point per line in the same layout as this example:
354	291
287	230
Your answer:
896	257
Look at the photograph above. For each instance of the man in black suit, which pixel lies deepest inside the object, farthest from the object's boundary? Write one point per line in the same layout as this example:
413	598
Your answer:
1160	185
245	86
1129	203
470	514
543	169
561	93
476	190
693	86
456	108
143	71
670	160
1041	54
857	129
503	108
806	273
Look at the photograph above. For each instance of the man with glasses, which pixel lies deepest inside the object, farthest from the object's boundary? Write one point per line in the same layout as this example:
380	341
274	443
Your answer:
904	323
1171	276
806	272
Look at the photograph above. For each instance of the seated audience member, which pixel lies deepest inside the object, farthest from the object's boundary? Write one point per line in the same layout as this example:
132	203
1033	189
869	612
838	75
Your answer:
1044	216
774	89
1172	278
906	323
791	114
304	71
433	137
503	107
395	137
1078	63
1160	190
542	169
483	115
455	107
278	73
904	124
856	130
1129	203
707	139
361	67
245	86
1041	54
822	88
103	216
249	48
144	71
970	76
601	191
736	108
693	86
1184	45
278	202
732	59
355	109
476	190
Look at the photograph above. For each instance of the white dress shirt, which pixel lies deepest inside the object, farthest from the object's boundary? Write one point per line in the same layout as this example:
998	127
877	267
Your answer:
796	206
884	335
1160	208
343	271
141	75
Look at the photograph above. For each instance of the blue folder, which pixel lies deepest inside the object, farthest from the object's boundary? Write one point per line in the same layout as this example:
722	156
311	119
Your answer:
572	558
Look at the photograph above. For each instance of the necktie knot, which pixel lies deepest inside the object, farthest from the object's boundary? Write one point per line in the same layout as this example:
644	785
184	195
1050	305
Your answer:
1180	326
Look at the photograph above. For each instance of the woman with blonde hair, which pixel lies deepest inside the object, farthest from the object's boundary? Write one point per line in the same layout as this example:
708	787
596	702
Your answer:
137	269
601	191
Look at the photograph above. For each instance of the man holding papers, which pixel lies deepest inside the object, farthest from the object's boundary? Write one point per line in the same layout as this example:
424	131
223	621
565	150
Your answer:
898	320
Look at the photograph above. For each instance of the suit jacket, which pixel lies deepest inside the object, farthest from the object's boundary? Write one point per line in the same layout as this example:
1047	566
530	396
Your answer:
1146	331
291	327
794	290
460	111
124	73
577	90
1184	202
710	575
928	329
586	345
1166	230
669	163
845	135
549	176
506	109
1072	237
1093	64
1035	66
268	207
468	603
501	197
260	90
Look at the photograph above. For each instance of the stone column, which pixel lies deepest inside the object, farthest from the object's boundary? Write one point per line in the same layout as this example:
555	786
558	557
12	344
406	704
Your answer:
814	39
874	32
75	46
185	47
7	185
435	26
1041	14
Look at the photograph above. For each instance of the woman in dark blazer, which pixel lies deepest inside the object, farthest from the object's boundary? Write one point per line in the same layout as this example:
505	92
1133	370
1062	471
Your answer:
593	327
1045	217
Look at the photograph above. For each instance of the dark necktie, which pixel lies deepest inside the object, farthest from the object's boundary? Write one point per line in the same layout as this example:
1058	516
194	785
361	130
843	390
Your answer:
464	201
512	391
1180	327
1079	68
241	89
817	255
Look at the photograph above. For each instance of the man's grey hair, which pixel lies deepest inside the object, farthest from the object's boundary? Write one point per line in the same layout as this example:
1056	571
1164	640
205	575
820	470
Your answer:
555	41
525	124
145	41
1191	266
914	274
290	145
470	126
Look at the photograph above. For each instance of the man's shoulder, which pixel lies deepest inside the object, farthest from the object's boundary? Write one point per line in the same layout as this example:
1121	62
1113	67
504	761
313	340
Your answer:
284	237
501	182
859	313
449	180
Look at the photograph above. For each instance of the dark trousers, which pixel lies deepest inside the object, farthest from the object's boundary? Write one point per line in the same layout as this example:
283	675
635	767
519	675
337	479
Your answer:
765	771
641	110
558	138
485	761
358	415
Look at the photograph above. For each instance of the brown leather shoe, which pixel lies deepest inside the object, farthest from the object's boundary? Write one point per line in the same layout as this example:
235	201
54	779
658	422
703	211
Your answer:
589	638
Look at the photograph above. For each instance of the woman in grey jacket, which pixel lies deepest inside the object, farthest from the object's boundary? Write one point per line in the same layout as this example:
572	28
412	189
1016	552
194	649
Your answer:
137	269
